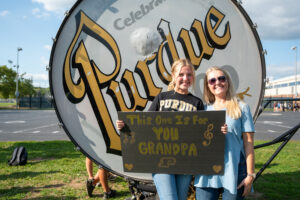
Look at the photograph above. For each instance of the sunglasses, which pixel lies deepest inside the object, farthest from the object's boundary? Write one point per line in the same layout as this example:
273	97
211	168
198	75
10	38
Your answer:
213	81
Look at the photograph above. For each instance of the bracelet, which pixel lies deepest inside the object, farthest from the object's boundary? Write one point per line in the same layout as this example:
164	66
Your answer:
252	175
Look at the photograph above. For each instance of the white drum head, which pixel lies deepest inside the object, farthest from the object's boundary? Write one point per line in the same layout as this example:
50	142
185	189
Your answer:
115	55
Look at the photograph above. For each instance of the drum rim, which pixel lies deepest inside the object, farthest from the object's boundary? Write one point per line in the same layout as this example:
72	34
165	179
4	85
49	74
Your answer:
66	18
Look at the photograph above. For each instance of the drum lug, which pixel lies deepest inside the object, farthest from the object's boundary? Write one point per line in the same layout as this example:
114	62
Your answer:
264	52
67	13
60	125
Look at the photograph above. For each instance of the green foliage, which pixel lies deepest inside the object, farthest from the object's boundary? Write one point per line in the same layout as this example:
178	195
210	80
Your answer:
8	84
42	91
26	88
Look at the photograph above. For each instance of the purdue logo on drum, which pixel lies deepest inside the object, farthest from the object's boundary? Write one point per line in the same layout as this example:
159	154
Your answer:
95	70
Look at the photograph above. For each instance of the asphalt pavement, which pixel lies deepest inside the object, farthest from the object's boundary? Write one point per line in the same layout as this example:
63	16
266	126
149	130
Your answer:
30	125
42	125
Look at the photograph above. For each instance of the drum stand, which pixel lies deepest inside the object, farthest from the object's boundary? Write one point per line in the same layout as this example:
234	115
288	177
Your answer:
142	190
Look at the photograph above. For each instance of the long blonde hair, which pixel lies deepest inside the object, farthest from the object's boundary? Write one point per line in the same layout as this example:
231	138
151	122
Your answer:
232	105
176	67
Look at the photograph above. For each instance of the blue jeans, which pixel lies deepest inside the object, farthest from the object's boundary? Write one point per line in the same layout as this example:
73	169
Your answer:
172	186
213	193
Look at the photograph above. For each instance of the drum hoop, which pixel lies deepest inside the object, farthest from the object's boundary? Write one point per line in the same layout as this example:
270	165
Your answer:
68	13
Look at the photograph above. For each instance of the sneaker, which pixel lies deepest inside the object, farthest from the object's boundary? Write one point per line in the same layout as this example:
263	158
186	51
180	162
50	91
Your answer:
90	187
109	195
98	184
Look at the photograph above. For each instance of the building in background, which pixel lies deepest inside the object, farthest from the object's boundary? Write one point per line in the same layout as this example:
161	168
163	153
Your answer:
284	87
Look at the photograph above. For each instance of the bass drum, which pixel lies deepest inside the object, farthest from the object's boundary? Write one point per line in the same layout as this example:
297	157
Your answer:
115	55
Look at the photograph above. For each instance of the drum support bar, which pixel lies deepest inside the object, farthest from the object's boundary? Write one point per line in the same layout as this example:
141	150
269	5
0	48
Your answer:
284	138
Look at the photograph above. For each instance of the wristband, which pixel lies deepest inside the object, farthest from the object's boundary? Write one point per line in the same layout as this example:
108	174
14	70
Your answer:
252	175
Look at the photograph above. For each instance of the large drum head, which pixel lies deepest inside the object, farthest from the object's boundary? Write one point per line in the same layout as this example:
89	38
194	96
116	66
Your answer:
115	55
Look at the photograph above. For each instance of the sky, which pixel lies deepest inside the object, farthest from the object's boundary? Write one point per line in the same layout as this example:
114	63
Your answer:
31	25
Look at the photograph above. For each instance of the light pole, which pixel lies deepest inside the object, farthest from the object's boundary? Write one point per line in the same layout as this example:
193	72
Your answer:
294	48
10	62
17	78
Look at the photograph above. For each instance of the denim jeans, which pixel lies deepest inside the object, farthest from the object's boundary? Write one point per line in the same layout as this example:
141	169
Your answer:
172	186
213	193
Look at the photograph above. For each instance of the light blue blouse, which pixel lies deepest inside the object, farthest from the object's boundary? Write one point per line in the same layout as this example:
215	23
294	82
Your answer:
234	145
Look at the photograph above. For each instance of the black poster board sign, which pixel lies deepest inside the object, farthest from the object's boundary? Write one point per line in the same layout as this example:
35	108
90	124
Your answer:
173	142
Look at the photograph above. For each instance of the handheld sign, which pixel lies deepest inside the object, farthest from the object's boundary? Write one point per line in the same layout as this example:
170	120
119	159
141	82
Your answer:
173	142
116	55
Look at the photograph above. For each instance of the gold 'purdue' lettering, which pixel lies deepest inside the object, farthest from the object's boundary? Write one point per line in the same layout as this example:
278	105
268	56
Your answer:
206	51
219	42
137	102
164	30
148	83
90	81
94	93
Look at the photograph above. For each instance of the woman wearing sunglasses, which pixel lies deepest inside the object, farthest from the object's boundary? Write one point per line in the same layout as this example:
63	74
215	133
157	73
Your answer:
177	98
239	152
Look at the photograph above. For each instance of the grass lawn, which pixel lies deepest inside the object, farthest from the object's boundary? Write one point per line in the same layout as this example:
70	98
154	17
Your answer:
7	105
55	170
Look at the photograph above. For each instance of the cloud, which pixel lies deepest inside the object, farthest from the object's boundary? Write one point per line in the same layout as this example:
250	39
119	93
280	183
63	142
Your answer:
58	6
37	77
38	13
4	13
276	19
280	71
48	47
38	80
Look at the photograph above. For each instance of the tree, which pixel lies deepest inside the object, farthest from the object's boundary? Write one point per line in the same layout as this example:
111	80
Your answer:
7	82
26	87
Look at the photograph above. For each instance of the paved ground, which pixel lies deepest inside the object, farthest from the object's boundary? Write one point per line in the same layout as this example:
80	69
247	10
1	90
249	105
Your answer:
37	125
270	125
42	125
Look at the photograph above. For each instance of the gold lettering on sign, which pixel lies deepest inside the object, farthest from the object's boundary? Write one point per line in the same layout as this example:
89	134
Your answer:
167	148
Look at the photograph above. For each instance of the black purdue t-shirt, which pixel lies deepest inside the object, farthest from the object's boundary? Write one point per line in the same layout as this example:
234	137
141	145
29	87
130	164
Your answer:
173	101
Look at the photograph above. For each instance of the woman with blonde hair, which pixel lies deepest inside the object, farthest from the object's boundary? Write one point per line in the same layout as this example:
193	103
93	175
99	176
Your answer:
239	152
177	98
